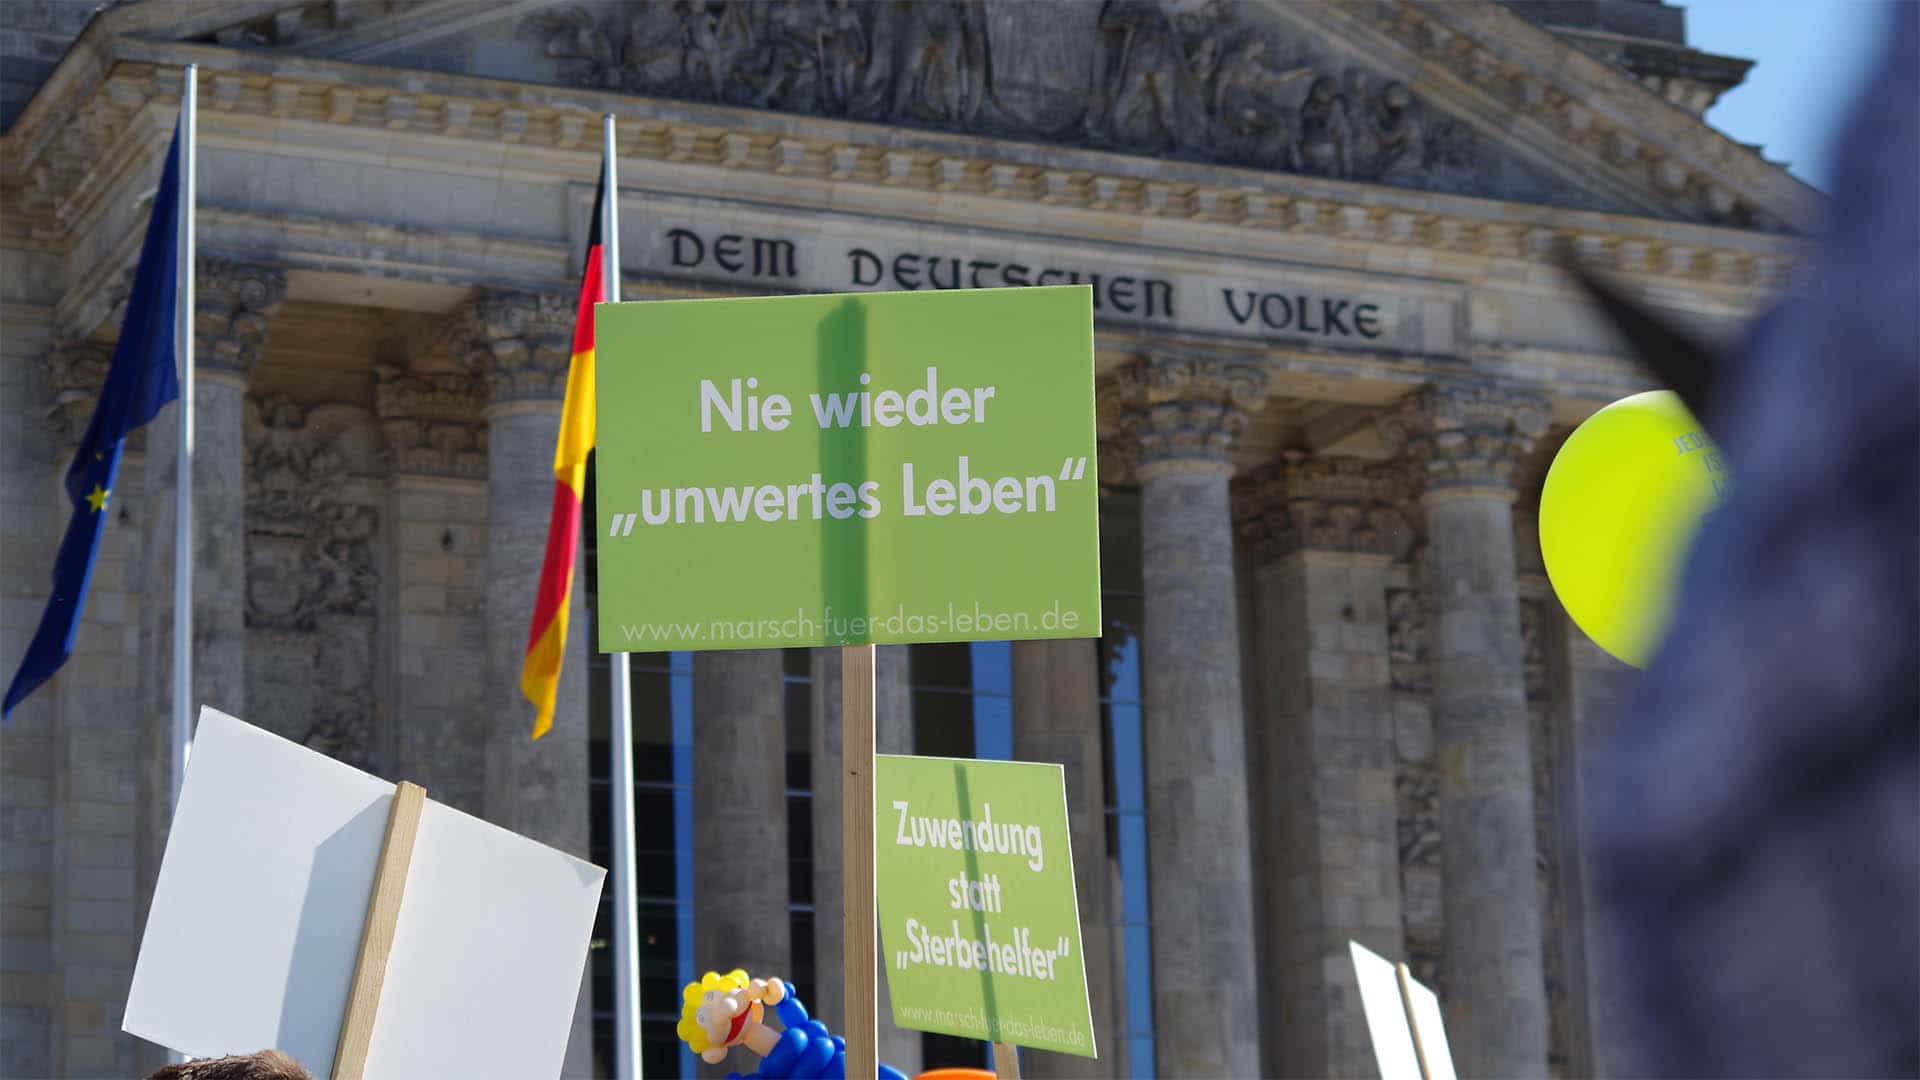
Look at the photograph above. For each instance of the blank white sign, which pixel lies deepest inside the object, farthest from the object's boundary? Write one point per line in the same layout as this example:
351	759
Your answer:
263	891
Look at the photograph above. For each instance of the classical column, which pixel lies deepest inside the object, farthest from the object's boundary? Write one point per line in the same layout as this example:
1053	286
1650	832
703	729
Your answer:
520	345
1465	439
1185	413
740	883
893	734
436	558
1056	717
1593	688
93	765
232	304
1322	534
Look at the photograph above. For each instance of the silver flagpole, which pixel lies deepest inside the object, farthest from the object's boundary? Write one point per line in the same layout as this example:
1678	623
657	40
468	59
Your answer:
183	480
626	896
183	473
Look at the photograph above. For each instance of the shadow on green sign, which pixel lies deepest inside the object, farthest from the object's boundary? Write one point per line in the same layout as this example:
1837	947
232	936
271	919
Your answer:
843	452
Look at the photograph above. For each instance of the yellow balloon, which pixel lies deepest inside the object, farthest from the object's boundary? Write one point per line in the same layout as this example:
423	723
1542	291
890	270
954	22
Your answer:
1617	513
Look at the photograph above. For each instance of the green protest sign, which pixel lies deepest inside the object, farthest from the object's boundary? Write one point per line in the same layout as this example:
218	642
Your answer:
830	470
978	921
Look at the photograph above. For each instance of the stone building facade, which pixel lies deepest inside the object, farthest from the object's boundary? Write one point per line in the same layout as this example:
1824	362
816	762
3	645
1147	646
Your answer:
1334	698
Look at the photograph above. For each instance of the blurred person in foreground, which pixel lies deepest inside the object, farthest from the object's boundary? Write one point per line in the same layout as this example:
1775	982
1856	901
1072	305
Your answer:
1755	820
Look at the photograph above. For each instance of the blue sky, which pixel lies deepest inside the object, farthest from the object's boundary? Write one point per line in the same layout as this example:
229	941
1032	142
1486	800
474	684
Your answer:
1812	56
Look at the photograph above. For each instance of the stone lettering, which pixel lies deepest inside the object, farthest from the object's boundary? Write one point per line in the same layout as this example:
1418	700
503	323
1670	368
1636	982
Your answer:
933	273
772	257
679	239
1133	295
767	256
1164	291
903	266
1268	305
1331	312
1366	319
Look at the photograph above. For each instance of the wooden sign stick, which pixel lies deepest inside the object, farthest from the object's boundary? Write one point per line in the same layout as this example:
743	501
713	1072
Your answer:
376	936
1413	1026
860	941
1006	1061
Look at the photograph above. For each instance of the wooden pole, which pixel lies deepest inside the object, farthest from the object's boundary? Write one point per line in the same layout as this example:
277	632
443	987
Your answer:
860	945
1006	1061
376	935
1413	1026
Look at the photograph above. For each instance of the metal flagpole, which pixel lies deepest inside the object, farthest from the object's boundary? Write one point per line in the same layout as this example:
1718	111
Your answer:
183	462
183	479
626	899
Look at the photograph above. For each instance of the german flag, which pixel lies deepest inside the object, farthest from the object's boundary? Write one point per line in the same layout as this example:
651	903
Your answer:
547	639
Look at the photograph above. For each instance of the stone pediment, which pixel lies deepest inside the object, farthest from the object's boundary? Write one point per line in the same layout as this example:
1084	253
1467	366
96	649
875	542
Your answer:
1457	98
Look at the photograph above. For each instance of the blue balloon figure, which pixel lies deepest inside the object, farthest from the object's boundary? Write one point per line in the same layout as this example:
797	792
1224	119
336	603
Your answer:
723	1011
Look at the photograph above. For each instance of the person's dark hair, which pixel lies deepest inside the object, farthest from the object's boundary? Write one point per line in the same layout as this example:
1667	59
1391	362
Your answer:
265	1065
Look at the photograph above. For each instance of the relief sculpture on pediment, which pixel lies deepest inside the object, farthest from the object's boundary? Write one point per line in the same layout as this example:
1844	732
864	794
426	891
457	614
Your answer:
1199	79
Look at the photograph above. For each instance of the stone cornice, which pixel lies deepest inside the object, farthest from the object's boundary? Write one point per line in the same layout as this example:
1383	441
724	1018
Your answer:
555	127
1589	107
1323	503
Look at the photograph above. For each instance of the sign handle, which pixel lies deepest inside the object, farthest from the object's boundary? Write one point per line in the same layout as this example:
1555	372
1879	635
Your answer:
860	959
1006	1061
376	936
1413	1026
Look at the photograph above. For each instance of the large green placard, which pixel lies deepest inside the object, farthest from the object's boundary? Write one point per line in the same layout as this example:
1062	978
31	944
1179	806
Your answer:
832	470
979	928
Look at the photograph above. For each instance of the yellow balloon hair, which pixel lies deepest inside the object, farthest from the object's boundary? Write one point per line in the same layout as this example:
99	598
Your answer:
689	1029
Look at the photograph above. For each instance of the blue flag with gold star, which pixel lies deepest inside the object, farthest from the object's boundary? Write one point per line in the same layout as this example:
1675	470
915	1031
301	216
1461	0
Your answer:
139	381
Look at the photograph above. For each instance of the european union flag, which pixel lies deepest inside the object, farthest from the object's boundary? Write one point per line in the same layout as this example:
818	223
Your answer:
140	380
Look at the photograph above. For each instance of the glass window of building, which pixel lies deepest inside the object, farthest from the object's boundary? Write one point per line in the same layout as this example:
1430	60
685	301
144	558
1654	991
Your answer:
1121	714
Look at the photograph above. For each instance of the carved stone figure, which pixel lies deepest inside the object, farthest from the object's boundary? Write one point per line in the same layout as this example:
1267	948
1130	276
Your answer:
652	49
308	553
1248	122
723	38
943	72
1398	137
784	62
1326	132
1140	67
844	49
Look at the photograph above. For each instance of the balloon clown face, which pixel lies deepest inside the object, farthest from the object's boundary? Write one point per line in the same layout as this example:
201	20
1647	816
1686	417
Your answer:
721	1011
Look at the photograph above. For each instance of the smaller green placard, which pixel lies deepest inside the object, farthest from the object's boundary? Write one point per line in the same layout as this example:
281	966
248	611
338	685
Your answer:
979	923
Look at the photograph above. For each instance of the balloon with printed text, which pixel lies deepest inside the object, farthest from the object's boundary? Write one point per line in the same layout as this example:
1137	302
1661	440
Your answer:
1619	509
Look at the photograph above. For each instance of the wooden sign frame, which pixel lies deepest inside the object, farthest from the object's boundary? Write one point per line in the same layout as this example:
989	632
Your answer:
860	926
376	936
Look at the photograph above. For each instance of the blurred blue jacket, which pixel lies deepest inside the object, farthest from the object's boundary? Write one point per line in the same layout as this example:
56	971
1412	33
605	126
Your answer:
1755	822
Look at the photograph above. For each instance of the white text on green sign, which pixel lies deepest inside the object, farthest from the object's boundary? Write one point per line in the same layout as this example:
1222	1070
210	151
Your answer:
979	921
819	470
